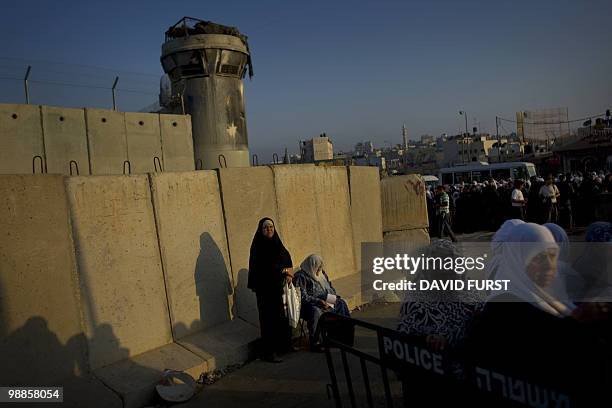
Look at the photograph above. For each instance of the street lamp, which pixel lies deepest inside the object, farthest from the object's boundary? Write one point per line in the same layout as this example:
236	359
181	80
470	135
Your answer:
466	133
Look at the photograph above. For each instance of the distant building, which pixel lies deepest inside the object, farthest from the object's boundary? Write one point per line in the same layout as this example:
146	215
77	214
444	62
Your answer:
364	148
317	149
427	140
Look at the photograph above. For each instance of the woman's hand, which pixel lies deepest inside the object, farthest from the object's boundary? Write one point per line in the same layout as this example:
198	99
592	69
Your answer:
323	304
288	275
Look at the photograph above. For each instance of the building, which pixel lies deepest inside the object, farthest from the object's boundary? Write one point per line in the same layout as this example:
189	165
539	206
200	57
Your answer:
317	149
464	149
364	148
589	153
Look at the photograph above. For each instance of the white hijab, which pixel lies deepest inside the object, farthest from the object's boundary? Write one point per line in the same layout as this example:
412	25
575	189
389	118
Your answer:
311	265
522	243
497	243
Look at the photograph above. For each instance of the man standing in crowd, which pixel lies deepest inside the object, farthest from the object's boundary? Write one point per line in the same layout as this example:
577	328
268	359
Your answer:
442	205
549	194
518	201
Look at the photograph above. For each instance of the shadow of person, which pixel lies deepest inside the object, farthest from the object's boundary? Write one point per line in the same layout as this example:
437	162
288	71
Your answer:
212	284
33	355
246	302
105	348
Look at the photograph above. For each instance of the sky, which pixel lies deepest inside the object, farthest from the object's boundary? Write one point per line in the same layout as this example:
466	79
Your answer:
356	70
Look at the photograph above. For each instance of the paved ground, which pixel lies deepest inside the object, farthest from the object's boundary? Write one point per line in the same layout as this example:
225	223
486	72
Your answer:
300	381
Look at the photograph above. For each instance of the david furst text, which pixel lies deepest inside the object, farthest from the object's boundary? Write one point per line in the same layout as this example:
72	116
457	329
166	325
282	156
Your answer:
443	285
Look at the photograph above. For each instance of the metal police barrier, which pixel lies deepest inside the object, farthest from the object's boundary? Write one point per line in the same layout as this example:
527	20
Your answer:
407	360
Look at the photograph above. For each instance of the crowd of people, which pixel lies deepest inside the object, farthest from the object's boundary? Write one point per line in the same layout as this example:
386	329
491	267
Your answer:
567	199
551	325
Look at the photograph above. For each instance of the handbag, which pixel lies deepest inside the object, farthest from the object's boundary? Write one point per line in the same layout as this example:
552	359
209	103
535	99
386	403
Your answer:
292	299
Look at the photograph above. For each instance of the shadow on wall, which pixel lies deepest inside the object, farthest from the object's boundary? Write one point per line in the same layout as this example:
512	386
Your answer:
33	355
37	357
245	299
212	284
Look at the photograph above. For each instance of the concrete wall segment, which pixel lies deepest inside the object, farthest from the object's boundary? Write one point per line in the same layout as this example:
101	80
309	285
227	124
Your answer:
20	139
404	205
64	135
248	195
122	284
297	210
334	217
143	142
177	142
40	323
193	243
106	140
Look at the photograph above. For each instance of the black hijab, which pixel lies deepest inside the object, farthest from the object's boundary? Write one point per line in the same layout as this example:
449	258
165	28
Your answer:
268	257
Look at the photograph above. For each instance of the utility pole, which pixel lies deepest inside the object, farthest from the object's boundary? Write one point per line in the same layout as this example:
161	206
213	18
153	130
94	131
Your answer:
498	140
113	90
25	83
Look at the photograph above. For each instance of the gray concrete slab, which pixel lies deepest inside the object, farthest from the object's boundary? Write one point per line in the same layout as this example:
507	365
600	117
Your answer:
297	210
404	205
177	142
223	345
248	195
334	217
40	328
191	231
122	285
65	140
366	211
20	139
106	140
134	379
143	142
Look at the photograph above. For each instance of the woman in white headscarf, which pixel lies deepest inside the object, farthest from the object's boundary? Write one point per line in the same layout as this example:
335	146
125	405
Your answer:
318	295
497	243
564	270
525	330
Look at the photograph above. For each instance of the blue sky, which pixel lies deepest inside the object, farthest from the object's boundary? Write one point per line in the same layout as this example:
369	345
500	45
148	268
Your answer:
356	70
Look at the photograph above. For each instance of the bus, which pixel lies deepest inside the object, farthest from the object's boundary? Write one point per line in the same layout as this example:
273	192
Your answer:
480	172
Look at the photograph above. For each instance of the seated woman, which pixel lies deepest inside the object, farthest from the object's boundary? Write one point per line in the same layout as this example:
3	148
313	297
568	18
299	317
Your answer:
525	332
318	296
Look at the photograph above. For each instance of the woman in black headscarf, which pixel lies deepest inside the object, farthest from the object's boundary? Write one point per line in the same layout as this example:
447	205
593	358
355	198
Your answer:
270	268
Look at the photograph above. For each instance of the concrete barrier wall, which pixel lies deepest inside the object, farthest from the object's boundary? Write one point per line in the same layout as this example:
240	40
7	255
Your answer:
248	195
152	256
20	139
297	210
97	140
177	142
404	205
144	142
122	284
106	140
366	210
194	251
65	140
41	339
333	213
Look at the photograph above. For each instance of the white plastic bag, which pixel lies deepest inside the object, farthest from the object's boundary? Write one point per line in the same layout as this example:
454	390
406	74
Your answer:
293	299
